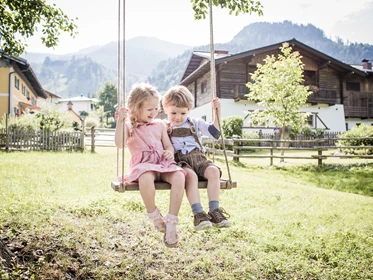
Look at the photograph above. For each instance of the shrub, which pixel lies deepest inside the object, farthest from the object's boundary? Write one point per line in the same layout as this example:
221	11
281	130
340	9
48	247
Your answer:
90	121
51	118
250	135
357	132
232	126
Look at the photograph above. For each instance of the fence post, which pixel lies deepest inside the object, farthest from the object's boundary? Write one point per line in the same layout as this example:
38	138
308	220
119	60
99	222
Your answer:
319	153
83	134
236	151
7	132
92	139
271	153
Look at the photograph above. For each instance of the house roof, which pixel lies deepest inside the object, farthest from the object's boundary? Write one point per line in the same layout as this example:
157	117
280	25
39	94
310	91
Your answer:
197	57
78	99
51	95
195	70
23	68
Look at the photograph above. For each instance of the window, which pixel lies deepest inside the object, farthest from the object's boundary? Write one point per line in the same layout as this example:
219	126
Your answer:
28	94
204	87
346	126
16	82
309	120
23	89
33	101
353	86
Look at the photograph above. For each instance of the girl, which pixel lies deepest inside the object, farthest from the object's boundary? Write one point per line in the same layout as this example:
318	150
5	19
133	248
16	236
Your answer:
152	157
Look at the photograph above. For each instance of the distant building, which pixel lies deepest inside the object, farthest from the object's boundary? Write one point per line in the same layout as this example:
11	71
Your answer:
81	103
342	94
20	89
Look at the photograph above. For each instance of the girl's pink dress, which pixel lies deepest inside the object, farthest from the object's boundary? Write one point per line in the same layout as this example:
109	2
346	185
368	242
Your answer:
146	150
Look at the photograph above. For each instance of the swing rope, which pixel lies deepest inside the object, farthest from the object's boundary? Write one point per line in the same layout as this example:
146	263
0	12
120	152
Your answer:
123	81
118	78
213	89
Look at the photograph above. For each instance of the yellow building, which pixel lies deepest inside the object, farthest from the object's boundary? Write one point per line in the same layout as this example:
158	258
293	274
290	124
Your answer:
19	87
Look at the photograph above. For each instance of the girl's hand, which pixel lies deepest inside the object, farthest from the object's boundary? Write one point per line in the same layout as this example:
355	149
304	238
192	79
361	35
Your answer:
169	155
120	114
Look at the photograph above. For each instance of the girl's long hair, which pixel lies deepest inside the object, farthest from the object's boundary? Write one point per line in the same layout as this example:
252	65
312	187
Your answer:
139	94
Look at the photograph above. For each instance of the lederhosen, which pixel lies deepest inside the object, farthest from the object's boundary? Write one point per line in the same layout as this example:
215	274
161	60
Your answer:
195	159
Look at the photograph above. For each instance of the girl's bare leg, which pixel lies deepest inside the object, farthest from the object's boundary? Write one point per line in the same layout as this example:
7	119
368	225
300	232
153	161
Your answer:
147	190
177	181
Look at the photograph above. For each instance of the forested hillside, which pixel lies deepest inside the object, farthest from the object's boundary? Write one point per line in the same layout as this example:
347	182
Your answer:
169	73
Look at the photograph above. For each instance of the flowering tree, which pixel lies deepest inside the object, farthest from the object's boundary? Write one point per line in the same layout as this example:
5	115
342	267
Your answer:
277	84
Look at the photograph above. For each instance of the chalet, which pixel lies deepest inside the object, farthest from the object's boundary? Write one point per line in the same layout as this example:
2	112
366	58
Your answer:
342	94
19	87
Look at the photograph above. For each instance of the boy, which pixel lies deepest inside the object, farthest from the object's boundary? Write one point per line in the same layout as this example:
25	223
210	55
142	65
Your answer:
185	133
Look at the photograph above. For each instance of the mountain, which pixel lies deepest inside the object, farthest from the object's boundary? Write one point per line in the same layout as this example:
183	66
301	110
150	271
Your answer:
168	73
86	71
163	64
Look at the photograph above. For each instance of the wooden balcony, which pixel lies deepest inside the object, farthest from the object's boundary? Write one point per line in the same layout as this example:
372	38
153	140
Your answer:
325	96
358	112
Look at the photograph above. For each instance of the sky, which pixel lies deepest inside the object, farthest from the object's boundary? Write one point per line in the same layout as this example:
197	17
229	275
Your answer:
173	21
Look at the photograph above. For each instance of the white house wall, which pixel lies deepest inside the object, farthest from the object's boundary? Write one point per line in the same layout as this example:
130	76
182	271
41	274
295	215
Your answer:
332	116
352	122
77	106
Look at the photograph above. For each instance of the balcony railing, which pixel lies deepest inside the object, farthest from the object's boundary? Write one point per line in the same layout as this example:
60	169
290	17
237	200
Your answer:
323	95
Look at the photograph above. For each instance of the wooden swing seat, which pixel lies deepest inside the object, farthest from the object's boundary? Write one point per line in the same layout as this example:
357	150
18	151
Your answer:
122	187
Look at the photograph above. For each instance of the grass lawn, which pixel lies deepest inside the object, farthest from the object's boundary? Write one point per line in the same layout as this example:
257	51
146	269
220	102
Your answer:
294	220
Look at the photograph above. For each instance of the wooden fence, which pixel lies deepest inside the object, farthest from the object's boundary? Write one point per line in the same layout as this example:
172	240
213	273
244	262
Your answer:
236	147
99	137
19	139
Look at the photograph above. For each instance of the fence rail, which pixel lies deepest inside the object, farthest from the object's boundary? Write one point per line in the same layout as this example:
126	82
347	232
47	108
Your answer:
318	145
19	139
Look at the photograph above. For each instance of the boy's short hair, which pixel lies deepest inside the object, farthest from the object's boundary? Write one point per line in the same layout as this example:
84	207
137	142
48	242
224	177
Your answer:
178	96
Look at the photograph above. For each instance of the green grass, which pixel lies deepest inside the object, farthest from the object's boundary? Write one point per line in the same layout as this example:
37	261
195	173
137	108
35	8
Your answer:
60	217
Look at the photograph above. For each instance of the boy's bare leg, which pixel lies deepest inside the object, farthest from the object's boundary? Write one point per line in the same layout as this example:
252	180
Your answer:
191	187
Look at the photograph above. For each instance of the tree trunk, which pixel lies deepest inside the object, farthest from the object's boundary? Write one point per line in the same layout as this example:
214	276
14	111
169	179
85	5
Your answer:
6	256
284	135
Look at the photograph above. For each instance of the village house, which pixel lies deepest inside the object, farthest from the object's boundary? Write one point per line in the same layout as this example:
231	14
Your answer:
19	87
342	94
80	103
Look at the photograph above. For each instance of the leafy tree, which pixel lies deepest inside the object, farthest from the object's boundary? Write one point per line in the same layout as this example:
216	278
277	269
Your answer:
108	99
277	84
232	126
20	19
201	7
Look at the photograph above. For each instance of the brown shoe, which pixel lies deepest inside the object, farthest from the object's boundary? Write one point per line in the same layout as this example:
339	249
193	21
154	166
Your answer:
218	219
202	221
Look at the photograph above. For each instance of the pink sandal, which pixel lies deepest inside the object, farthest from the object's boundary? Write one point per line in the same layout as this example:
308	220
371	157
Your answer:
158	220
171	237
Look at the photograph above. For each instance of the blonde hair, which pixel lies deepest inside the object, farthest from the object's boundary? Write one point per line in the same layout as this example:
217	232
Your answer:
139	94
178	96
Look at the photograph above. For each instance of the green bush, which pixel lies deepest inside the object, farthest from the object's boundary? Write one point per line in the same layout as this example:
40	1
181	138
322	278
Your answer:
357	132
232	126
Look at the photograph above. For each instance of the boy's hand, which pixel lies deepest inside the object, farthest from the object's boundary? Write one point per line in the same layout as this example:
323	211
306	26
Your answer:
169	155
215	103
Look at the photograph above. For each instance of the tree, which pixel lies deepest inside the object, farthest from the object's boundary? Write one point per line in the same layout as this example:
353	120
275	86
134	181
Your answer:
20	19
277	84
200	7
108	99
